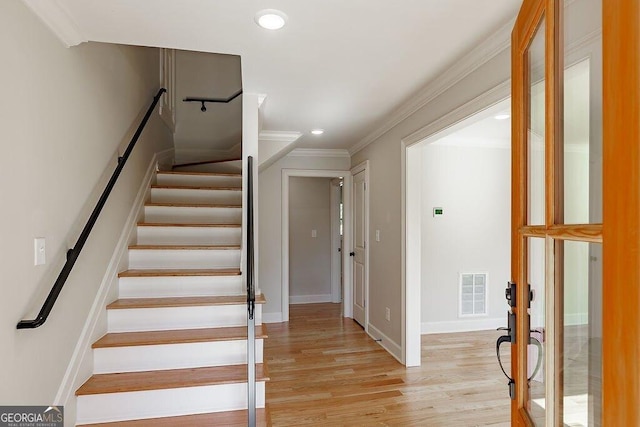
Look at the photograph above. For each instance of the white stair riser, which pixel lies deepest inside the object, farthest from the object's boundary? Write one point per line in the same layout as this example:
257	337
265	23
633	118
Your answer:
169	258
158	319
199	180
172	356
180	286
165	403
192	215
182	195
148	235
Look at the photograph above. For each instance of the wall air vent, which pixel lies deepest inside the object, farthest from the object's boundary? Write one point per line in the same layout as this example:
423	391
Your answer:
473	294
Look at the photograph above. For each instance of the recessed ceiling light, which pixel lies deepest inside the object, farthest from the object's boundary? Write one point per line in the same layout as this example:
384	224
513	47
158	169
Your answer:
502	116
317	131
271	19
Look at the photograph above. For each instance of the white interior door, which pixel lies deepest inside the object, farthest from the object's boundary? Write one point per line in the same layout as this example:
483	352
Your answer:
359	248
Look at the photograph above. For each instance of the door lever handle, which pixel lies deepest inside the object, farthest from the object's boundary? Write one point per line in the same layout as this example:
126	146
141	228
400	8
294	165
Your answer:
352	254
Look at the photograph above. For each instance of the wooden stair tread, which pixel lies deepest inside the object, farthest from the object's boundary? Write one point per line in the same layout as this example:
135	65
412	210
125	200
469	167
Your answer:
177	272
198	173
167	379
184	247
227	419
168	224
129	303
194	187
194	205
180	336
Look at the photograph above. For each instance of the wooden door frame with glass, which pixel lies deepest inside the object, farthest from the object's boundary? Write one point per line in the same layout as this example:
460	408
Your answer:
619	229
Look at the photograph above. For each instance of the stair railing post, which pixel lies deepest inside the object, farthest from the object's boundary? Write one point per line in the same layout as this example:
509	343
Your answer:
251	322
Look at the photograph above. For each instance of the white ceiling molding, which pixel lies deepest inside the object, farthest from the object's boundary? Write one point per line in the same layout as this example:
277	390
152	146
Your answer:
58	20
279	136
485	100
313	152
274	145
483	53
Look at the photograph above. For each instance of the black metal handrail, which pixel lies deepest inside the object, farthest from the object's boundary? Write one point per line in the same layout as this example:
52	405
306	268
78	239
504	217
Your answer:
251	301
74	253
212	100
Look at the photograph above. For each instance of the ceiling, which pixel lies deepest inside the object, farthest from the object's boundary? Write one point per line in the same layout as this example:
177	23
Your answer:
339	65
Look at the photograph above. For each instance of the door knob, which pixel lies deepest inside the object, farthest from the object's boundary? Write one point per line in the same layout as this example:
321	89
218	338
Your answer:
352	254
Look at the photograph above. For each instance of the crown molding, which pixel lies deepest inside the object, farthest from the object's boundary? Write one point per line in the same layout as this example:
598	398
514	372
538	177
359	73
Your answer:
58	20
261	98
313	152
279	136
483	53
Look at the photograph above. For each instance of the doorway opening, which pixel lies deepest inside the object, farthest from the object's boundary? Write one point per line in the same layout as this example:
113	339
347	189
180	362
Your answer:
315	240
341	218
466	224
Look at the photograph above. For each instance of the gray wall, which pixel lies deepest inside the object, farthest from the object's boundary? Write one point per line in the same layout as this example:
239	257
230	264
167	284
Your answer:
65	114
270	219
310	257
384	154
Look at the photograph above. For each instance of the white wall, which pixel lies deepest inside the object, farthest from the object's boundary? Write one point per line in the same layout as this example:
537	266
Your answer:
473	186
310	257
270	219
65	115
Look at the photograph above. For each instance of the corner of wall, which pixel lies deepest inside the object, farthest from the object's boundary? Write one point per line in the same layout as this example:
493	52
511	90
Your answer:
387	343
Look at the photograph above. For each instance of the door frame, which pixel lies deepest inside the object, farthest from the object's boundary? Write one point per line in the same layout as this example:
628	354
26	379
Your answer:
411	172
314	173
336	255
361	167
621	212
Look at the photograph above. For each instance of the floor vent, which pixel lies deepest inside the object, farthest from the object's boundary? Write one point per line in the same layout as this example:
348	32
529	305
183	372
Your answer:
473	294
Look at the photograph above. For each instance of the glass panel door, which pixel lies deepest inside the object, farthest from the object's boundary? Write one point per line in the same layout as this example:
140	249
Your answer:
557	213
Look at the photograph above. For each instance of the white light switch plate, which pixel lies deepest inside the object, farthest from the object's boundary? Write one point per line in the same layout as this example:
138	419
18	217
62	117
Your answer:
39	255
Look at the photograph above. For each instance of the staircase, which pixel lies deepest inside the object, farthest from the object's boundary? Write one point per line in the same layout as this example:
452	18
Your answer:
176	349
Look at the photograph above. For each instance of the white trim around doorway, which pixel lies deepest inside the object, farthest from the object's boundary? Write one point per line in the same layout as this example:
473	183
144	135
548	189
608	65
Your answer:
313	173
411	164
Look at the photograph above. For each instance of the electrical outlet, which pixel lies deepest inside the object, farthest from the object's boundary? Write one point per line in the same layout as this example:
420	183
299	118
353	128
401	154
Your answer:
387	314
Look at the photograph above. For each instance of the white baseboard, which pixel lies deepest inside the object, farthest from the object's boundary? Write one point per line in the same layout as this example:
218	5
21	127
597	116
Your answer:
387	343
309	299
576	319
271	317
463	325
83	353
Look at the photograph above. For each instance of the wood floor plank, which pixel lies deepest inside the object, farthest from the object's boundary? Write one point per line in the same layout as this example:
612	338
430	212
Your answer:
325	370
195	205
227	419
129	303
194	187
168	224
198	173
184	247
166	379
180	272
180	336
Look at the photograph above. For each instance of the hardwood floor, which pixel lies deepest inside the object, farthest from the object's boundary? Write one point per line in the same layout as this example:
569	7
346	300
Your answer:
324	370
